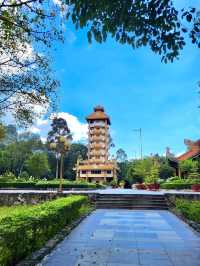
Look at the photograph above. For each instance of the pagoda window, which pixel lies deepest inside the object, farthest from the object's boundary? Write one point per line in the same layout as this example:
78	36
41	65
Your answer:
83	172
109	172
96	172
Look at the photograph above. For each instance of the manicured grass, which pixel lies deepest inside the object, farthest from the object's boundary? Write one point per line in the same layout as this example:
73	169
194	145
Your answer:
24	229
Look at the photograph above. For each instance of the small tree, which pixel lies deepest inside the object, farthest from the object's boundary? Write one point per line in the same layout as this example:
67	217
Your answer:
187	166
194	173
153	176
59	139
37	164
121	155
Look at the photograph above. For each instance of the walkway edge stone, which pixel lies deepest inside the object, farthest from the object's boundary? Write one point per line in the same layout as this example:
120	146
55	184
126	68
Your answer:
38	255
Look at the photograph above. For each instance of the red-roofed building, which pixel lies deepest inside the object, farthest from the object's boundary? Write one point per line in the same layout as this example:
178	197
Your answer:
193	150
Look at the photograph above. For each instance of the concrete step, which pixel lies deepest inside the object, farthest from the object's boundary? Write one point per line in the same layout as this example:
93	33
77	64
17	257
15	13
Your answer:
112	201
133	207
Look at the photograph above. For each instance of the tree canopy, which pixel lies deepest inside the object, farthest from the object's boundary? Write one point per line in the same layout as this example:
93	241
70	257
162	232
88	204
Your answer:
29	27
154	23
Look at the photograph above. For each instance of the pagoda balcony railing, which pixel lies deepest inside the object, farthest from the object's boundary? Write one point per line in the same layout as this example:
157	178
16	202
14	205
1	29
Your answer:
98	145
97	131
98	138
98	125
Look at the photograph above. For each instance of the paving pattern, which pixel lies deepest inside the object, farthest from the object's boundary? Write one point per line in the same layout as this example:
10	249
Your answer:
128	238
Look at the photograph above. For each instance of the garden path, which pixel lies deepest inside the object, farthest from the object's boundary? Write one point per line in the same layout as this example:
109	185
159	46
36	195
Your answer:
128	238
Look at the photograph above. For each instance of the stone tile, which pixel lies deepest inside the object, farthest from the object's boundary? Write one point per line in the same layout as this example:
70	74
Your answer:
128	238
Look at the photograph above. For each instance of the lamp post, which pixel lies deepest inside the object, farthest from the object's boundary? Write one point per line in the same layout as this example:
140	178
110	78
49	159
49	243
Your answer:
140	135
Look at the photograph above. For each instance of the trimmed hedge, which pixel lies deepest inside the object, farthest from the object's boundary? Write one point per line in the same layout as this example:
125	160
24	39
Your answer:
177	186
27	230
14	184
48	184
66	184
189	209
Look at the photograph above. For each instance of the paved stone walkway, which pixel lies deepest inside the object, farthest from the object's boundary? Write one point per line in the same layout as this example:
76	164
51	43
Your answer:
128	238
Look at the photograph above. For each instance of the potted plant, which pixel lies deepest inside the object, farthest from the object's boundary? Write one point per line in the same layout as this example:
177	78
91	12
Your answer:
194	176
151	180
122	183
113	183
140	186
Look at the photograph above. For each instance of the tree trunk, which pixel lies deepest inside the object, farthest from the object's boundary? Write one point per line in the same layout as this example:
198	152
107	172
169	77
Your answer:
57	165
61	173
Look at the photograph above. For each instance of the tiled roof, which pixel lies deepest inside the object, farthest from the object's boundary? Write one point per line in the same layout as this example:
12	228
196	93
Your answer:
193	150
98	114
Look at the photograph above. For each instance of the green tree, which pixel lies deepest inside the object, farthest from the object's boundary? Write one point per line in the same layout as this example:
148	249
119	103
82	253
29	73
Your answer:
14	155
194	171
37	165
27	29
59	138
187	166
153	176
121	155
139	169
166	171
70	159
157	24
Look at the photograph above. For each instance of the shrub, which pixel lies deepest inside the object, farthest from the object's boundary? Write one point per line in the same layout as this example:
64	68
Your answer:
66	184
18	184
7	176
153	176
27	230
171	185
24	175
173	178
189	209
44	184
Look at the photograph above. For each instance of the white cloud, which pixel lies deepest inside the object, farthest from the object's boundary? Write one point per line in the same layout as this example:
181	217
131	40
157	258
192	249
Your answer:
34	129
42	122
24	53
78	129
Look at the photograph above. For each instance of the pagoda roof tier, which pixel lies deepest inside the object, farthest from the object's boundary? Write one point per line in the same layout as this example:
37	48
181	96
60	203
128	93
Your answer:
98	114
192	152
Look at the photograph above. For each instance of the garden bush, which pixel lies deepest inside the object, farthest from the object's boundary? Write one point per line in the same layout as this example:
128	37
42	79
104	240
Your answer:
171	185
66	184
27	230
189	209
178	183
44	184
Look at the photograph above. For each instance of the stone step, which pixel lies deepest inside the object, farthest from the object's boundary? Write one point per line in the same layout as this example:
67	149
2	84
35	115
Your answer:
113	201
132	200
142	207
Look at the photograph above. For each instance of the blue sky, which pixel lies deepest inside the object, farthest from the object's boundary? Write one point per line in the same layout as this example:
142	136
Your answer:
136	89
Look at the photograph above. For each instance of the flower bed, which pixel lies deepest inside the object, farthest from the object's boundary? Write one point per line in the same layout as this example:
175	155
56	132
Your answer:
27	230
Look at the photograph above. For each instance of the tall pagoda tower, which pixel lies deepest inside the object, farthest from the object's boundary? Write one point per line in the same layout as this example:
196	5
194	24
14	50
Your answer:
98	167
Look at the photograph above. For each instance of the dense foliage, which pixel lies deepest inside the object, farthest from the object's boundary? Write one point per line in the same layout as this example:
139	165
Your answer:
28	229
139	170
25	75
189	209
25	155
